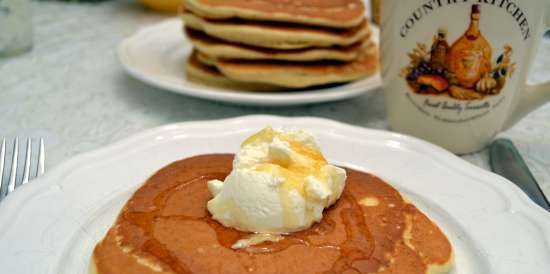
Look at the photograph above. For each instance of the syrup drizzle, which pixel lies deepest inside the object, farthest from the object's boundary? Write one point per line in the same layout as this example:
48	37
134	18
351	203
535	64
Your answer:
358	244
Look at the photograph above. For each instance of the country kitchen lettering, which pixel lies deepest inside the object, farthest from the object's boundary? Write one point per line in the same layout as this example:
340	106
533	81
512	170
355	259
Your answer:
508	6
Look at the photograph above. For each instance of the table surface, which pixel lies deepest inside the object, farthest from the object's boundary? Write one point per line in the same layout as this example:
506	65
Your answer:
72	91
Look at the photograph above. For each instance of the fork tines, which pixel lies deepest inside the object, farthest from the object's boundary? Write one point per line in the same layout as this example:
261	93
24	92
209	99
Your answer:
12	181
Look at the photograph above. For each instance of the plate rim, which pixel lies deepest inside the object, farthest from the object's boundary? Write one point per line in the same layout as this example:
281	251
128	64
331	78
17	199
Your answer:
419	144
266	99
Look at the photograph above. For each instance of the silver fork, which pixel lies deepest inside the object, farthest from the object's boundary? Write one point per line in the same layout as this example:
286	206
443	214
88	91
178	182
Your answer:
13	181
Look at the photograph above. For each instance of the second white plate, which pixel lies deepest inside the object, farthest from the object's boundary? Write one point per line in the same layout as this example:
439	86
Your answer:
156	55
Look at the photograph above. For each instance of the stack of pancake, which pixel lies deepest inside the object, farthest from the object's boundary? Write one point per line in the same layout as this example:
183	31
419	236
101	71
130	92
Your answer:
278	44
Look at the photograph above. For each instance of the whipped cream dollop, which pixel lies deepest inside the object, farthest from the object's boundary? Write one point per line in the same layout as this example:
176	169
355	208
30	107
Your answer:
280	183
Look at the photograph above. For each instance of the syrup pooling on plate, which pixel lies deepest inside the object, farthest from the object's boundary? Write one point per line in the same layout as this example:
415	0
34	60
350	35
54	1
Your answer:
358	243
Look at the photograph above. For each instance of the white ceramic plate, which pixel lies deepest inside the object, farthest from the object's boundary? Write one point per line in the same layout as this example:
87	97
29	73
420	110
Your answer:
157	55
51	225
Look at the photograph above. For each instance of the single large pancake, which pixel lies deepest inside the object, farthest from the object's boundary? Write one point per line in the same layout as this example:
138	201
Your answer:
296	74
276	35
221	49
166	228
331	13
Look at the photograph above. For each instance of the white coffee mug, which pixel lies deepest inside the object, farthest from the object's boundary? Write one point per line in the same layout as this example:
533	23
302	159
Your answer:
455	71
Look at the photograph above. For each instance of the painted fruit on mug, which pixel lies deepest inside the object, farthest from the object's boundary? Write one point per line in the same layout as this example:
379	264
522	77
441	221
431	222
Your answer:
463	70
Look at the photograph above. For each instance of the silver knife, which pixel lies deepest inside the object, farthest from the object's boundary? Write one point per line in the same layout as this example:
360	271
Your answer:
506	161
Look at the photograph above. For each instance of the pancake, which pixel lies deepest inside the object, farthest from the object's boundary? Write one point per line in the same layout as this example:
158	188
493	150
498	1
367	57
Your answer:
330	13
200	73
276	35
165	228
206	59
296	75
221	49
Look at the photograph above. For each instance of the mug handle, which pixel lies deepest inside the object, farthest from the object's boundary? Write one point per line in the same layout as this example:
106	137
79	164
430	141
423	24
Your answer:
533	97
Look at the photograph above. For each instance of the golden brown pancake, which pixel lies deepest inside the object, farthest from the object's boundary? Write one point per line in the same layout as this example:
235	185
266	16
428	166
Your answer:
331	13
204	74
296	74
165	228
221	49
275	34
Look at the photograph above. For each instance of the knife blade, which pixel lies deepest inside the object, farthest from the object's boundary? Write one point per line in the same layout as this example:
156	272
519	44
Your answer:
506	161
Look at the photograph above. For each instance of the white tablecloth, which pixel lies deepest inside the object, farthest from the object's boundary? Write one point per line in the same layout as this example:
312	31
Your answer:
71	90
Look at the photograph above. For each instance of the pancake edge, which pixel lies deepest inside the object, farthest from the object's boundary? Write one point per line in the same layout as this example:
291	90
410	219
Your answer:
259	36
226	50
295	79
431	268
233	12
200	75
442	268
93	267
